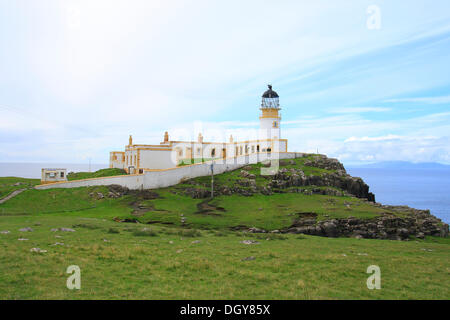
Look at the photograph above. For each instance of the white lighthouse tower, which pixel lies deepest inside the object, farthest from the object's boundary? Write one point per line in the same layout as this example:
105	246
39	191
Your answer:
269	121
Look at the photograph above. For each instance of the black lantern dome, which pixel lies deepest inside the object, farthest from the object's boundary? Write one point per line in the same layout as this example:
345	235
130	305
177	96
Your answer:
270	93
270	99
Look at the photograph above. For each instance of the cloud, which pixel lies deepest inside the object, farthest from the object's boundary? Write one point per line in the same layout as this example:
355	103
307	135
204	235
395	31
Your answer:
382	138
77	89
427	100
359	109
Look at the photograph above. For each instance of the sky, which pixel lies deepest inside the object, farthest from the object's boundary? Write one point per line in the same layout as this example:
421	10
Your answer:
362	81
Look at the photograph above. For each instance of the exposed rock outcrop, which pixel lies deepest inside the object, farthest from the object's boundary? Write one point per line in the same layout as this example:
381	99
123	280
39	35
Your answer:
334	181
412	222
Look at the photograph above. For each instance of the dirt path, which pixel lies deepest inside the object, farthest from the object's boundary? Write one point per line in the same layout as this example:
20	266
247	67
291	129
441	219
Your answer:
11	195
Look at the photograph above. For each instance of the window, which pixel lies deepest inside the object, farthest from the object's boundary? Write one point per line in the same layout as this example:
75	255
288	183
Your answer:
62	175
275	124
253	149
213	152
246	149
240	150
257	148
237	151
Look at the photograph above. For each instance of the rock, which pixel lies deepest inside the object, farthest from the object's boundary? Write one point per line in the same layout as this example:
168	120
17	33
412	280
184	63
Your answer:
403	233
4	232
113	195
196	241
54	229
249	242
66	229
58	244
197	193
420	235
256	230
118	190
248	258
22	239
38	250
330	229
244	173
27	229
179	251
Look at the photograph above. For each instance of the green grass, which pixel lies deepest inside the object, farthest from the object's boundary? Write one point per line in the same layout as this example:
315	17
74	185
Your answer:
268	212
65	201
167	265
164	258
7	184
97	174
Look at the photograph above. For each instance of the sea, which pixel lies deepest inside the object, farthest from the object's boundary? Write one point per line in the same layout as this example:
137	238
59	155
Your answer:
33	170
427	188
421	188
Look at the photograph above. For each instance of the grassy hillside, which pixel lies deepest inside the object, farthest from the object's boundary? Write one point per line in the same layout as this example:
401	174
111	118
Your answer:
10	184
184	247
97	174
266	212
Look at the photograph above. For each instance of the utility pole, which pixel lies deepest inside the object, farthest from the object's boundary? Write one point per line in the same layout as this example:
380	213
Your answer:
212	179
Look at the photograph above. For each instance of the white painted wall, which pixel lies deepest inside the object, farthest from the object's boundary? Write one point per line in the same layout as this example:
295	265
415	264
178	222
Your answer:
164	178
156	159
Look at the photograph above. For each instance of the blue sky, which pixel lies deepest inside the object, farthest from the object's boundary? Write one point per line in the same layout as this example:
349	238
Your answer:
77	77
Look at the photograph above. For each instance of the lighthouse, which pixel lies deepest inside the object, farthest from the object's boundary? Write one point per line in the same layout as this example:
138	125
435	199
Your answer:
269	120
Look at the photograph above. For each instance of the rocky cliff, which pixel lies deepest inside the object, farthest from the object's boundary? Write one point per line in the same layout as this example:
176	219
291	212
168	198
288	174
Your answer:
330	179
317	174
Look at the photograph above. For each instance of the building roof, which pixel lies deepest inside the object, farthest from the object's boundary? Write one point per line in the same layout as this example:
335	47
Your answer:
270	93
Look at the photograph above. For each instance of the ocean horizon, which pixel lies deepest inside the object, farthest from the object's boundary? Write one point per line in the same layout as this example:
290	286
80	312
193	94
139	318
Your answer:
418	188
422	188
32	170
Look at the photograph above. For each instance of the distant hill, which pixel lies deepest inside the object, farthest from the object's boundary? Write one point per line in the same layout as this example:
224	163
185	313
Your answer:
402	165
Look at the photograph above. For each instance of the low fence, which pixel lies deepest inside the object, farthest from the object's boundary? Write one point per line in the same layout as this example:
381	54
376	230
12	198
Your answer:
153	179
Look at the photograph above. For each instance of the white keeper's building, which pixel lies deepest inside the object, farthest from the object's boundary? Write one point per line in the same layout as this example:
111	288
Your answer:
138	158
